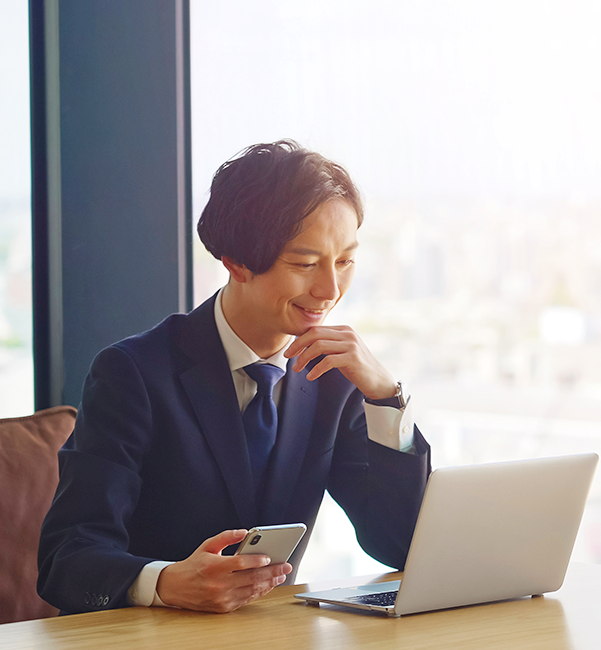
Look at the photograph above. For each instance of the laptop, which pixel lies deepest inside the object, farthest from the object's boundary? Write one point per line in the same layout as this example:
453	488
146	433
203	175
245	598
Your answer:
484	533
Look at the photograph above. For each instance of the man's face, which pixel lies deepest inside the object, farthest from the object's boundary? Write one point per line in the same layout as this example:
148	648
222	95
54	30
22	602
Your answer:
312	273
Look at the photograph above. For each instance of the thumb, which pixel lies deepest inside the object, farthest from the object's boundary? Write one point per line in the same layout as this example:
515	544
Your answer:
228	537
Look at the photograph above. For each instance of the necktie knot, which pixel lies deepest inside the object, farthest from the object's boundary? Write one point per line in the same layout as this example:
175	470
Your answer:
265	375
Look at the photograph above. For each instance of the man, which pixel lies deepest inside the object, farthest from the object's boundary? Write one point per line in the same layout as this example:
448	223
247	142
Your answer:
179	448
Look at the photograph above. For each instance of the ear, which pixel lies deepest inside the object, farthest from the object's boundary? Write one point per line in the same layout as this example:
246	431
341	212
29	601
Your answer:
237	271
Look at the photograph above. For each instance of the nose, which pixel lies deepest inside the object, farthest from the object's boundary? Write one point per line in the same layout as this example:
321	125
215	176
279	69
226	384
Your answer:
325	285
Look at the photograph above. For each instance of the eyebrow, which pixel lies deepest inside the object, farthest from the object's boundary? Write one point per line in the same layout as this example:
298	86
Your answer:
311	251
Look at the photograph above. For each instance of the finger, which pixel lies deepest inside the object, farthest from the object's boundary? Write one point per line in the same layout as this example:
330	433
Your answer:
272	580
268	584
263	580
274	574
286	568
264	571
321	347
326	364
245	562
223	540
313	335
247	593
231	598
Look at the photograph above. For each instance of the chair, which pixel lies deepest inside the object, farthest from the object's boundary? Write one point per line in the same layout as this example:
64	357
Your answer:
28	480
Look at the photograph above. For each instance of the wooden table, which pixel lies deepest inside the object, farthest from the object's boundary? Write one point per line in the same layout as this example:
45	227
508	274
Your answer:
567	619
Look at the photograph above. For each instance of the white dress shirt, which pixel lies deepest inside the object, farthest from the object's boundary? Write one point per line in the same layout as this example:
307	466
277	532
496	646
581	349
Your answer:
386	425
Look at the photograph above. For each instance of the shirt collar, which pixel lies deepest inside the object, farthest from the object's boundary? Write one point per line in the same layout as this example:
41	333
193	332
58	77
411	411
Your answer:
237	352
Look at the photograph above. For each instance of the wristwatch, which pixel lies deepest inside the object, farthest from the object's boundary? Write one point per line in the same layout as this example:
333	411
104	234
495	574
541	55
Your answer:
401	394
400	399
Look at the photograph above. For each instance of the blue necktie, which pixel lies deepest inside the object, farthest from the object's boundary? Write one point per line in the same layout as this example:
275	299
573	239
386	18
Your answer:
260	418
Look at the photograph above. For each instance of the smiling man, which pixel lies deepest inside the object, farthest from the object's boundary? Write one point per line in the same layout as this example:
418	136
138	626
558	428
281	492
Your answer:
241	413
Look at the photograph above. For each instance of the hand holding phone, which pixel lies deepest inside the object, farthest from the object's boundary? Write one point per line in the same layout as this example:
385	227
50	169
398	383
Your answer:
277	542
209	581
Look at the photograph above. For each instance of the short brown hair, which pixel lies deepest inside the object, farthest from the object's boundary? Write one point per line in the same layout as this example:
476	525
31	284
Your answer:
260	198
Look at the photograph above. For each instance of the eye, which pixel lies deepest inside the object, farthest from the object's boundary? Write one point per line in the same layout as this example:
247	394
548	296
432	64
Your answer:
346	262
305	266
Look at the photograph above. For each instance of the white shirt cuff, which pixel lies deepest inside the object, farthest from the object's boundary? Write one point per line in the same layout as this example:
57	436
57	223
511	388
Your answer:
143	591
390	426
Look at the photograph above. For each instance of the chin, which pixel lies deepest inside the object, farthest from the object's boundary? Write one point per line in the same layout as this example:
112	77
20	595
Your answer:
297	330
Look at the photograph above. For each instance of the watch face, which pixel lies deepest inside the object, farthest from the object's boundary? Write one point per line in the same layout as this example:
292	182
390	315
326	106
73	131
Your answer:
401	393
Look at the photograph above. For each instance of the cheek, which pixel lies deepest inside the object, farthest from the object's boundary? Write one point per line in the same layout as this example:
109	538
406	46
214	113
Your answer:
295	286
345	282
278	297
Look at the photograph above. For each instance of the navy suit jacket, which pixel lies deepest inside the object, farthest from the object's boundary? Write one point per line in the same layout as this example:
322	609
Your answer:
158	463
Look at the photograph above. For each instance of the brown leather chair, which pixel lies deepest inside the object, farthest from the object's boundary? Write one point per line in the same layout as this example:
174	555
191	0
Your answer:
28	480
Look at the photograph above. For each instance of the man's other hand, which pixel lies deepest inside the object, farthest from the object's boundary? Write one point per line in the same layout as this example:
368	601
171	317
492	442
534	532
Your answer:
343	349
210	582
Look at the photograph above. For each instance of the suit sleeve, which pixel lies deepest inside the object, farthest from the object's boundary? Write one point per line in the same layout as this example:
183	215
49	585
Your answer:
380	489
83	560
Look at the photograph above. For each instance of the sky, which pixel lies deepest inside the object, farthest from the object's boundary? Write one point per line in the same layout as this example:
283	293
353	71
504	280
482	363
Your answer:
417	98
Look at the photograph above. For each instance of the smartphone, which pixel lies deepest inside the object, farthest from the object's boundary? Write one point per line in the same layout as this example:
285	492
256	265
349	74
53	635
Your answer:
277	542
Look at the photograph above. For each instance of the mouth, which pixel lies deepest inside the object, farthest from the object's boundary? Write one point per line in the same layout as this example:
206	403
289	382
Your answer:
312	312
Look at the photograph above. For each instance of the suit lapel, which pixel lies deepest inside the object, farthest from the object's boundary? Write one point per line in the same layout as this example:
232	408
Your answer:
296	417
210	388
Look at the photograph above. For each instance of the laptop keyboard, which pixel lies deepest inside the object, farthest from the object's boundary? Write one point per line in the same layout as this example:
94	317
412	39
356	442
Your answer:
384	599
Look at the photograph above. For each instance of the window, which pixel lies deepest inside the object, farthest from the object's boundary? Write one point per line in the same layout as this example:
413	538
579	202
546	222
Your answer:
472	129
16	357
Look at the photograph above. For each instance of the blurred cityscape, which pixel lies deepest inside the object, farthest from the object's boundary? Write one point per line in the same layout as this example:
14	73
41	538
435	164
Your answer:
492	314
16	356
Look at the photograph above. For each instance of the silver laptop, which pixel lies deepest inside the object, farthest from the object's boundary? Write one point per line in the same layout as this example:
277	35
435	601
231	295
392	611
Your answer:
484	533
